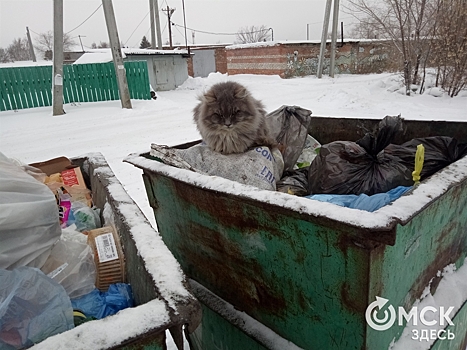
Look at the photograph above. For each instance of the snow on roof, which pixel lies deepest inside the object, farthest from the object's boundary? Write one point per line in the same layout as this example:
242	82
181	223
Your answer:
96	56
285	42
105	55
135	51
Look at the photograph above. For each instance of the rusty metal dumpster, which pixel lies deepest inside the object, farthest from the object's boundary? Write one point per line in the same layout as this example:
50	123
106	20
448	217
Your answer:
305	270
160	288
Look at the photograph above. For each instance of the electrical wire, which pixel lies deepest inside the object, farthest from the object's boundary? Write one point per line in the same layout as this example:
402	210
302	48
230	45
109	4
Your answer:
136	28
33	31
98	7
204	32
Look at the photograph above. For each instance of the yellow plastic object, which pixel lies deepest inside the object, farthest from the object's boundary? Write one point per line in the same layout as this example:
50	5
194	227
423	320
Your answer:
419	158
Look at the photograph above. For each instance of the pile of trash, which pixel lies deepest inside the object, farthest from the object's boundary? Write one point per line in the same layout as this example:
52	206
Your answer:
56	253
365	174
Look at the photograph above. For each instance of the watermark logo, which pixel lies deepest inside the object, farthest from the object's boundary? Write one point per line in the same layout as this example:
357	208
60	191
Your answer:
371	315
381	317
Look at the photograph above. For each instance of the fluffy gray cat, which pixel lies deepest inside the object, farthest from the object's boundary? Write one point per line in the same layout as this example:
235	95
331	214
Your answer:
230	120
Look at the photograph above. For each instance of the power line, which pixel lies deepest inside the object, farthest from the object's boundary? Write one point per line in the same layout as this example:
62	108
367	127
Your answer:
33	31
136	28
202	31
98	7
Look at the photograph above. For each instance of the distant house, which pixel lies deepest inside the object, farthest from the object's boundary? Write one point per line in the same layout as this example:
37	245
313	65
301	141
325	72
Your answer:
167	69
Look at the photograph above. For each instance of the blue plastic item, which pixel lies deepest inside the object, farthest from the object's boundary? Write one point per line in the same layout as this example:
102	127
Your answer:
102	304
33	307
362	201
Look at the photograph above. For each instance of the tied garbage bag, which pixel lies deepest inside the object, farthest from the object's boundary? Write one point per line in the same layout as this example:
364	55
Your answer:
289	126
259	167
362	167
362	202
440	151
294	182
33	307
29	223
102	304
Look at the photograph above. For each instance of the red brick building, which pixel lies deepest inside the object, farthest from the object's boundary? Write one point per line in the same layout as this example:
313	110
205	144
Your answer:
296	58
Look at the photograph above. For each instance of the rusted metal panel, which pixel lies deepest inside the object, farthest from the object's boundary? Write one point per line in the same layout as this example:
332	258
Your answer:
309	277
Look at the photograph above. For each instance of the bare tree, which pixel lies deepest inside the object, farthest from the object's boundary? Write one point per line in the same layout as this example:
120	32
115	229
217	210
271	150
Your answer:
366	28
404	22
4	57
449	45
45	42
18	50
253	34
103	45
424	32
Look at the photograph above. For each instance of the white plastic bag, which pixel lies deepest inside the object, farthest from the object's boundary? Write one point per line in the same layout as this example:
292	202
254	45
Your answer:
29	224
32	308
71	264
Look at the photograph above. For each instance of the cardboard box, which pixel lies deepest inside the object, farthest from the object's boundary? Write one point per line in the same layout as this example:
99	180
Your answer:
70	174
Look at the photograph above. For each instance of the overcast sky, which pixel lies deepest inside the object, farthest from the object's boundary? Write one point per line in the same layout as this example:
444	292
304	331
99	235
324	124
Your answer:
288	19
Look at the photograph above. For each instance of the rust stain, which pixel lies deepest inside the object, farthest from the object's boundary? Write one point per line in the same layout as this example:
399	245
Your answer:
351	302
444	256
219	265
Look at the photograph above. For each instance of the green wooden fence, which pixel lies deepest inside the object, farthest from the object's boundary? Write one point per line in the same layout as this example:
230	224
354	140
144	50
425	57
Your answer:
27	87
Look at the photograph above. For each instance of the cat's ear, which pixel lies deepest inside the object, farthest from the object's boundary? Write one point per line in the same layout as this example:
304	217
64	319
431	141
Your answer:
240	92
210	97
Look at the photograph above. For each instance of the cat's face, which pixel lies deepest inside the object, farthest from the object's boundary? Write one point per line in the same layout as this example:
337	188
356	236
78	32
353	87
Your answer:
227	106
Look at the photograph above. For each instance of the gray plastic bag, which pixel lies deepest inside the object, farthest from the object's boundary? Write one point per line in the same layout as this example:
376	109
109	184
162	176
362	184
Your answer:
289	126
33	307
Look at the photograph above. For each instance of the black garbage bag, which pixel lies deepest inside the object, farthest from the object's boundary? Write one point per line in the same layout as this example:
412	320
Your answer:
440	151
289	126
294	182
345	167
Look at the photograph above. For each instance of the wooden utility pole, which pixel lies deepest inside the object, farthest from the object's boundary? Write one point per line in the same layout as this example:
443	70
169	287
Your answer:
116	53
153	27
81	36
158	25
31	48
335	18
57	72
324	35
169	15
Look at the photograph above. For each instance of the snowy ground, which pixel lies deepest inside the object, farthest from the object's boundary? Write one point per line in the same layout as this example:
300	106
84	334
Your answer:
35	135
32	135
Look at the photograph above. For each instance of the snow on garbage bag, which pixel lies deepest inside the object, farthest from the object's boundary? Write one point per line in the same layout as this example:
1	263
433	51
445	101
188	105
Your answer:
440	151
29	223
259	167
289	126
33	307
345	167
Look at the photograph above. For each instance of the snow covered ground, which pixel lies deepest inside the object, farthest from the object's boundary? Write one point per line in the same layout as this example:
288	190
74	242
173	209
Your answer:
34	135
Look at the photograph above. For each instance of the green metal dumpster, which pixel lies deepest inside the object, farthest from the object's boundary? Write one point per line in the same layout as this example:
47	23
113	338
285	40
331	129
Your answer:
160	289
305	270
